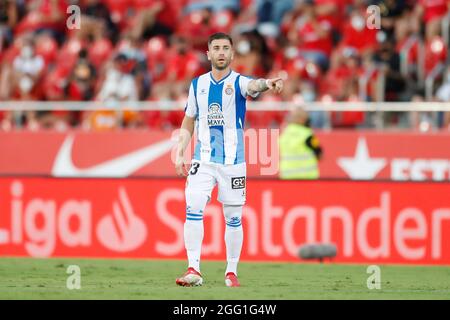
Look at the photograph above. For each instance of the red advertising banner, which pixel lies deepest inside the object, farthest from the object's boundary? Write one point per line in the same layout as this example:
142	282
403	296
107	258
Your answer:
359	155
370	222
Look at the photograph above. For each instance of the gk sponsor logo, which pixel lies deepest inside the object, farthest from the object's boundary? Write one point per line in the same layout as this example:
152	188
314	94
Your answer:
238	183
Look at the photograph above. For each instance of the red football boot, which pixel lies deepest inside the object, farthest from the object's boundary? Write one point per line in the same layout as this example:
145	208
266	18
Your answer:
231	280
191	278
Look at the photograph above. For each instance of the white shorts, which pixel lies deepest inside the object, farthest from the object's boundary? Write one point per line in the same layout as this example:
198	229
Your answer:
231	179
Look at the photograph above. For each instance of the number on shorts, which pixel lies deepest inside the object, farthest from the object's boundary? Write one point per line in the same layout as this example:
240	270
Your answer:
194	168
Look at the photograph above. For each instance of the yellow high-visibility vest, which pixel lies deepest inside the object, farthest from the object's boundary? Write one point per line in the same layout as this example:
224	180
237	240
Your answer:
297	160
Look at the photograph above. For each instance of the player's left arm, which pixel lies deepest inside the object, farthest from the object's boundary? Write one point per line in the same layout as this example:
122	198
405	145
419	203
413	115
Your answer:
313	143
261	85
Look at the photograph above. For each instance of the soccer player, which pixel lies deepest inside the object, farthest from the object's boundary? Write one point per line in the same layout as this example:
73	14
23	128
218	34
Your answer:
216	107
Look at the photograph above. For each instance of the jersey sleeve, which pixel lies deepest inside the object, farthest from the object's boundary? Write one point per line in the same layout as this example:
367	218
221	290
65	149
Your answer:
191	105
243	84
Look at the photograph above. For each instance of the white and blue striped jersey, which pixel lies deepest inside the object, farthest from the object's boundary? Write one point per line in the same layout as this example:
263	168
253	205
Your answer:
219	109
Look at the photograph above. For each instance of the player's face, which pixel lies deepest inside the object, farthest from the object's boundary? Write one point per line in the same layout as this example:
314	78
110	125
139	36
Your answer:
220	53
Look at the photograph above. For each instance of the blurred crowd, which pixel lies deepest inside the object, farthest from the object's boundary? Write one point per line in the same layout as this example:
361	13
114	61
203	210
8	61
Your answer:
149	50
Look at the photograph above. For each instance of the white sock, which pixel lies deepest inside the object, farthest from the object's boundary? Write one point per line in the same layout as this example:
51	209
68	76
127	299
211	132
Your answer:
233	239
193	227
234	236
193	237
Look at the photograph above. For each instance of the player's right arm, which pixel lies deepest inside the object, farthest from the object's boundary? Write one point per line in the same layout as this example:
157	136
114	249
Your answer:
185	135
260	85
186	132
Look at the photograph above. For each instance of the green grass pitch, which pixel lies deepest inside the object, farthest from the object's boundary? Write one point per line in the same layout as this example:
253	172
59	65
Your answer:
26	278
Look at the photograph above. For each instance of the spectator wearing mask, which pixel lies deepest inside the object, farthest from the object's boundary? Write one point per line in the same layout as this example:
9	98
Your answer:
27	70
82	79
317	119
422	121
312	37
251	55
356	35
132	48
118	88
389	60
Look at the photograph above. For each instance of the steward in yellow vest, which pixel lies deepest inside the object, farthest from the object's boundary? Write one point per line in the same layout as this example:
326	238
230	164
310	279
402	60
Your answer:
300	150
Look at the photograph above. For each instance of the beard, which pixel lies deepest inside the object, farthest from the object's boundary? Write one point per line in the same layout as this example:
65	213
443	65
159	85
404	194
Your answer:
223	66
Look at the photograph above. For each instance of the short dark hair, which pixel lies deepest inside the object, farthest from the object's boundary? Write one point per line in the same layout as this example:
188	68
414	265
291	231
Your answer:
219	35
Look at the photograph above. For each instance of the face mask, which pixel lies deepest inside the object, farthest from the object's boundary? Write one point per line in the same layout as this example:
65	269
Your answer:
25	84
291	52
357	23
243	47
26	52
309	96
381	36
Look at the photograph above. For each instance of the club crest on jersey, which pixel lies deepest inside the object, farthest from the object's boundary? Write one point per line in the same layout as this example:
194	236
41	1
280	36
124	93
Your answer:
229	90
215	115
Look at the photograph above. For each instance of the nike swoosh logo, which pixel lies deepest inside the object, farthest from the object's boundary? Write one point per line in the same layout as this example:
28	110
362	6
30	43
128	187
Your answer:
119	167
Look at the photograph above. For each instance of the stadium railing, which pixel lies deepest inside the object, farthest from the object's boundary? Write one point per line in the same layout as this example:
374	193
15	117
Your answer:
374	109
